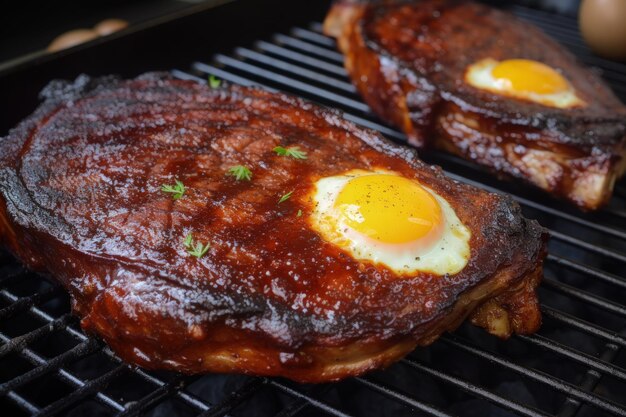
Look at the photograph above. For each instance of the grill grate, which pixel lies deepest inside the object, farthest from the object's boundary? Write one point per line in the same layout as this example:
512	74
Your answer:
575	366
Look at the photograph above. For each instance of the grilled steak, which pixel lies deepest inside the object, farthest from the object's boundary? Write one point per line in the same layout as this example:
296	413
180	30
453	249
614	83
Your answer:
409	61
82	200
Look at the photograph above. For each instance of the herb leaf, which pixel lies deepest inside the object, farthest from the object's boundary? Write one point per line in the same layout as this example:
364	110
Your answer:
293	151
299	213
240	172
177	190
285	197
214	82
196	249
199	250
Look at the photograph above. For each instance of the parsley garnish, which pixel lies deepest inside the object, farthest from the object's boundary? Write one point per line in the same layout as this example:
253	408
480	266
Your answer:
299	213
214	82
293	152
285	197
177	190
240	172
195	249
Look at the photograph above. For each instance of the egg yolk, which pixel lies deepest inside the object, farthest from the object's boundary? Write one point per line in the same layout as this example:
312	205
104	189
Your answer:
523	75
389	208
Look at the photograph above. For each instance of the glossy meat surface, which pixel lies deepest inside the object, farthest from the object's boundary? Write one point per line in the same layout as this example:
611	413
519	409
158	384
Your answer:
81	199
408	60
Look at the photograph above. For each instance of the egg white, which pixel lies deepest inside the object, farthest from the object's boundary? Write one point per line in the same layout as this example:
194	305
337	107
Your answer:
480	76
447	255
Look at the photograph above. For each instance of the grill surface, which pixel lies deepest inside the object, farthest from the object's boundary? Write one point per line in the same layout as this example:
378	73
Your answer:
575	365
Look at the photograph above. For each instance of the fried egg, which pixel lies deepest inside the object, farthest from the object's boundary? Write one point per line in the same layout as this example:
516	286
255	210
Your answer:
525	79
388	219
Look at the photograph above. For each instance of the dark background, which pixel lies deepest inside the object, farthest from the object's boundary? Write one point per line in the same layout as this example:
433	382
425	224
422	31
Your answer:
30	26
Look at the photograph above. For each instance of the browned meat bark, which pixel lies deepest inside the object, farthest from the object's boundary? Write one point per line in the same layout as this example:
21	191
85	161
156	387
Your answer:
408	61
81	200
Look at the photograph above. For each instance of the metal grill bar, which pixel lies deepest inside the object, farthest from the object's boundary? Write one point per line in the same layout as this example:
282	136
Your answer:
154	397
313	36
185	396
23	403
585	296
474	389
582	325
307	88
270	48
588	246
320	405
78	351
591	380
587	270
398	396
26	302
566	388
325	53
44	366
295	69
18	343
582	358
85	390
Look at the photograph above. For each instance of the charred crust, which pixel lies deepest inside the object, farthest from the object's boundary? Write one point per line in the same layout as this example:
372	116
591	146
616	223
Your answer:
159	308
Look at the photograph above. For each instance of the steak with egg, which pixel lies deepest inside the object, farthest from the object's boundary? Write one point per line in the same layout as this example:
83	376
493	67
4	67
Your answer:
125	192
410	59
